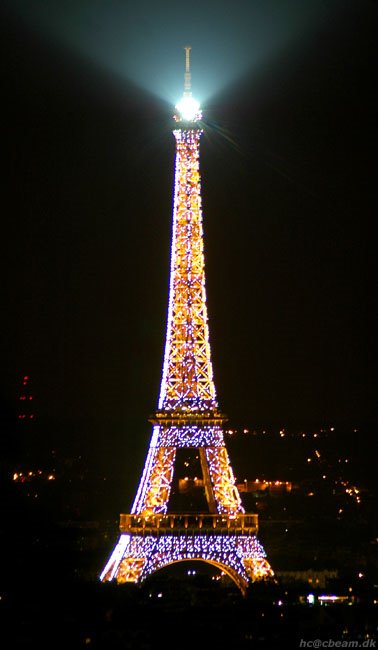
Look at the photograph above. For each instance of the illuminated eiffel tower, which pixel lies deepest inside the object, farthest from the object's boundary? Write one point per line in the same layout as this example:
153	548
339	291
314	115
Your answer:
152	537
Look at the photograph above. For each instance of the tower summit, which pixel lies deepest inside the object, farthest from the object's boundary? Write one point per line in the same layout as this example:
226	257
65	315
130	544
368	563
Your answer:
188	107
155	534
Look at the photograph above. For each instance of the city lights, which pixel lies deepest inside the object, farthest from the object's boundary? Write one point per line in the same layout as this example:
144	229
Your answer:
33	475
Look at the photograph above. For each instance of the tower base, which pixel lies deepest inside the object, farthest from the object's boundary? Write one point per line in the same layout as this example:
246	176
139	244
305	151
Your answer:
136	557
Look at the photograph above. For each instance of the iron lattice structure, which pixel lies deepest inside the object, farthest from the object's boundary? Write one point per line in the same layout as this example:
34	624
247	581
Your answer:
187	415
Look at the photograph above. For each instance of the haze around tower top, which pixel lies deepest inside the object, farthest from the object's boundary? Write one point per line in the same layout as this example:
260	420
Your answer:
143	42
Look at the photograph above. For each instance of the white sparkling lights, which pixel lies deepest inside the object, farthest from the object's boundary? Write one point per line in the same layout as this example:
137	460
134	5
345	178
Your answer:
187	415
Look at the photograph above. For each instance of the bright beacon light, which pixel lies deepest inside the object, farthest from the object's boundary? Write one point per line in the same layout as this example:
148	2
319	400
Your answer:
188	107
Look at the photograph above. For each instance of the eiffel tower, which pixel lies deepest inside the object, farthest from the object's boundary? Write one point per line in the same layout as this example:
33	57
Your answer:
188	418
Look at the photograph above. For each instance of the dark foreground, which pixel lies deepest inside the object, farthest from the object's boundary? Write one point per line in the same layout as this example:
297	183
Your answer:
56	535
169	613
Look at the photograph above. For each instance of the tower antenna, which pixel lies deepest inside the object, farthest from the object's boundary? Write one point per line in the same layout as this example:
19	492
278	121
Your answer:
188	76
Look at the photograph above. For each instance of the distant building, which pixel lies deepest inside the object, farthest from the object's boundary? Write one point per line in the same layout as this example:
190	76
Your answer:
316	579
273	488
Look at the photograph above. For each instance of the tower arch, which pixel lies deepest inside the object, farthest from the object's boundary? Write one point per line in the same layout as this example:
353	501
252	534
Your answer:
166	562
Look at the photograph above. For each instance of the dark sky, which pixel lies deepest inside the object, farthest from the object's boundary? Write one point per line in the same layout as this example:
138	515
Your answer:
288	165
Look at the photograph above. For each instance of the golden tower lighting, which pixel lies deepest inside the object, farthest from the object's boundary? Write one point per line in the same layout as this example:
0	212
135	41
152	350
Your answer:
187	415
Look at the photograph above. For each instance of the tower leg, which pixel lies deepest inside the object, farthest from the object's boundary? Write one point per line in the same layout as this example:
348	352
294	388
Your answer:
209	493
155	487
222	478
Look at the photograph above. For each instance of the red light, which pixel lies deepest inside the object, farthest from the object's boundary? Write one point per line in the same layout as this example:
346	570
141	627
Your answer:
26	378
30	397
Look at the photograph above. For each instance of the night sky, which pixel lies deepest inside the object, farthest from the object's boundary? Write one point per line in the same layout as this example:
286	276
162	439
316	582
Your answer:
288	162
